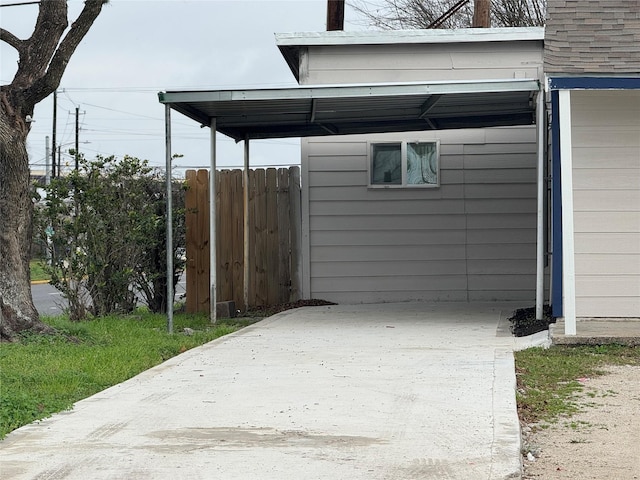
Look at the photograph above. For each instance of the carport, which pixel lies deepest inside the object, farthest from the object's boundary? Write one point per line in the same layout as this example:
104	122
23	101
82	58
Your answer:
314	111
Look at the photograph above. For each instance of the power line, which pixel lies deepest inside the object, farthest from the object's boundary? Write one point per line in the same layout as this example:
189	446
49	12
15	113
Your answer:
18	4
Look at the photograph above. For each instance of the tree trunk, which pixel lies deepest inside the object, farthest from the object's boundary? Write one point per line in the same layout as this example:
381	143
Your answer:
43	58
17	311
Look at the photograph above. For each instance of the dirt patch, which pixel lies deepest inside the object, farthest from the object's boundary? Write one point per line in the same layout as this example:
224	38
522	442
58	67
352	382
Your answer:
599	442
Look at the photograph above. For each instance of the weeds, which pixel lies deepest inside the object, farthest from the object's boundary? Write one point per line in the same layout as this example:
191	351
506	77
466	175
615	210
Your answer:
549	379
37	269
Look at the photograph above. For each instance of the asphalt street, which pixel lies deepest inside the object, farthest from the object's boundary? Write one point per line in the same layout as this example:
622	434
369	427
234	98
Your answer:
49	301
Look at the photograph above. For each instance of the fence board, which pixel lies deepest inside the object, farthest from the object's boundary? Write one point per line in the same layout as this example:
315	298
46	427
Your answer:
191	224
273	226
237	242
284	245
272	237
295	225
202	240
260	255
252	237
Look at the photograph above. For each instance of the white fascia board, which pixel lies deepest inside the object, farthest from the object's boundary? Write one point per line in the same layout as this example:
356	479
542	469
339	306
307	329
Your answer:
350	91
386	37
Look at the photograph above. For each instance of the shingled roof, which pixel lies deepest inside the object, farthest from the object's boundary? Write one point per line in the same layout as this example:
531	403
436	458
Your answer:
592	37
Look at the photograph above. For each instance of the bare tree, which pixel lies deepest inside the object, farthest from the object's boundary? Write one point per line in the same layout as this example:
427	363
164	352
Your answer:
421	14
43	58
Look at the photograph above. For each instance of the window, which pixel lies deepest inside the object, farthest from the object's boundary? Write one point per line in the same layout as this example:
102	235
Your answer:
404	164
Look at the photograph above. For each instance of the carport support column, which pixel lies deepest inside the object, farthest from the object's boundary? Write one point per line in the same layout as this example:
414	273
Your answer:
212	225
568	245
245	192
540	121
169	216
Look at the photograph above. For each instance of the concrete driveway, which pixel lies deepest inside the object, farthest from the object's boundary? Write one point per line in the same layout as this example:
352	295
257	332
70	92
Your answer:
393	391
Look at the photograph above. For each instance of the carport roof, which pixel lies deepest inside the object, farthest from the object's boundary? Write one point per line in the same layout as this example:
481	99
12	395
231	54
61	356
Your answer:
357	109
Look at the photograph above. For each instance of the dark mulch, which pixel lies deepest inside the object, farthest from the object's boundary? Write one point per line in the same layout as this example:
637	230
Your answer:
524	322
273	309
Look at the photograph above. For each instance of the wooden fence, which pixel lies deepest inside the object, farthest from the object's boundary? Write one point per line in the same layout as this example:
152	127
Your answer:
274	237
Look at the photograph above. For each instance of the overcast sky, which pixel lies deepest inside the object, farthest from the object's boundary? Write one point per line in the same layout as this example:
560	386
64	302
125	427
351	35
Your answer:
137	48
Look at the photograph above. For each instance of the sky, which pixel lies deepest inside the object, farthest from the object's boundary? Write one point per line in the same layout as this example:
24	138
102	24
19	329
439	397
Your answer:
137	48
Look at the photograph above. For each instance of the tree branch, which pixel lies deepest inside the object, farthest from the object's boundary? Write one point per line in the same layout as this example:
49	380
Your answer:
49	81
37	50
10	39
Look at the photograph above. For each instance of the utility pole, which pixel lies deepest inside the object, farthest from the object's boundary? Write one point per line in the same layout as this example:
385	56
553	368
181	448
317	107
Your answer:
53	150
481	14
47	171
335	15
77	136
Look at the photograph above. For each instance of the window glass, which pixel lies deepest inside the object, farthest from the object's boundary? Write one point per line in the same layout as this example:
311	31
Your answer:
386	164
422	164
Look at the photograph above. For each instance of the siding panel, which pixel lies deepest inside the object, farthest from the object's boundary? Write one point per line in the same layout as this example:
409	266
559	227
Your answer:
420	62
607	286
608	307
598	264
607	200
606	133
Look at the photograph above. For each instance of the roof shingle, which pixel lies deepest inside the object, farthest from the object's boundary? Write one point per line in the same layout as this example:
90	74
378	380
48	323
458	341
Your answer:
592	37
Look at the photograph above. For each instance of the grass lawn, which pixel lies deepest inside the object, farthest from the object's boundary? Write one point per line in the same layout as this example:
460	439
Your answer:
41	375
37	270
549	378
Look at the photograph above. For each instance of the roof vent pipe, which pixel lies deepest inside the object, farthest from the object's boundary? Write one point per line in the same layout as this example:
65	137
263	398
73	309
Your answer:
335	15
481	14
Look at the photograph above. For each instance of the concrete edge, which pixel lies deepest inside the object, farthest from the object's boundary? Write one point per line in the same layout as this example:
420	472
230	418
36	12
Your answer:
541	339
507	439
594	338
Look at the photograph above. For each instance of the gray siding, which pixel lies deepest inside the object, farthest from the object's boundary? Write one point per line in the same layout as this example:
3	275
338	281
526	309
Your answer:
606	159
472	239
422	62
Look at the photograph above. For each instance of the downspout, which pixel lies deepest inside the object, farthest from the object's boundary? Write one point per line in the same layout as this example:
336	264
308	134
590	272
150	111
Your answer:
540	120
556	209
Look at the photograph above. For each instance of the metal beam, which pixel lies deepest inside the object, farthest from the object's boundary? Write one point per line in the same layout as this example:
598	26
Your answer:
245	192
350	91
212	225
429	104
169	217
312	116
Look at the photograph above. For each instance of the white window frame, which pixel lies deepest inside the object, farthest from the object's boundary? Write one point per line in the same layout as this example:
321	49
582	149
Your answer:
404	166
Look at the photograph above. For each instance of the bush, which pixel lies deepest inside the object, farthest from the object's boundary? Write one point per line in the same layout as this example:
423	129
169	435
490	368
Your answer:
104	226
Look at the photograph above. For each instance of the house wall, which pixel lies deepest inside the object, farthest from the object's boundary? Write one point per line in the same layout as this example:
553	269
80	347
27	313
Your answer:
421	62
471	239
606	176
